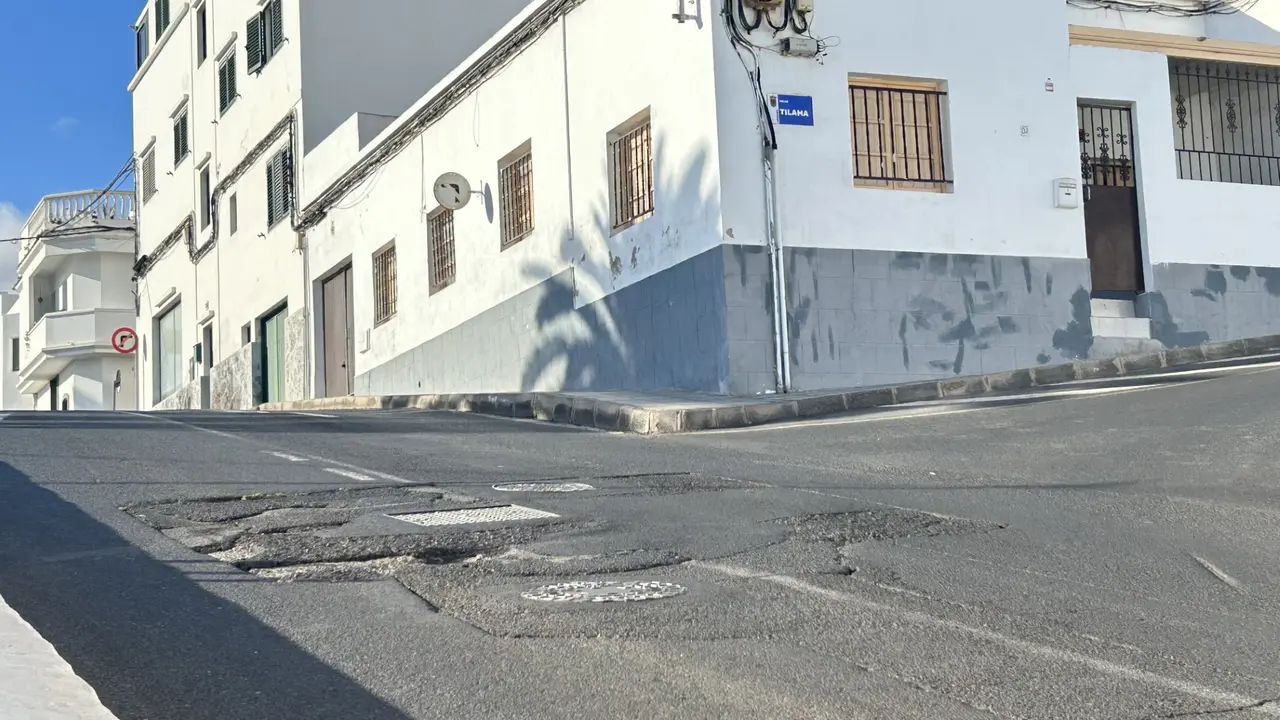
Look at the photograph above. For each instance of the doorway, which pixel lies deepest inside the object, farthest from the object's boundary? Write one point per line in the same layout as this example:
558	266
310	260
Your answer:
336	310
1110	201
206	350
53	393
272	333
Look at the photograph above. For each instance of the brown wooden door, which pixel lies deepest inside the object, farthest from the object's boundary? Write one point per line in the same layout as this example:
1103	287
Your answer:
339	335
1110	200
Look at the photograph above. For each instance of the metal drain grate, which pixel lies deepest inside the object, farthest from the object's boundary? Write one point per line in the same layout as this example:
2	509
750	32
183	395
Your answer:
499	514
544	487
603	591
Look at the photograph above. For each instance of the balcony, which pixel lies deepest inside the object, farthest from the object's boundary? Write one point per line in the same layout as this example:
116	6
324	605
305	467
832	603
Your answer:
85	210
58	338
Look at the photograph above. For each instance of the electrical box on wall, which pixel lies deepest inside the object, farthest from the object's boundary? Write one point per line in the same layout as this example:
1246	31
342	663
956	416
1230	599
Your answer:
1066	193
804	6
800	46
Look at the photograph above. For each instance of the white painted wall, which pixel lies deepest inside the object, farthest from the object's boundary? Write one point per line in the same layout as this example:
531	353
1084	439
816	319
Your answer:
9	321
414	44
604	78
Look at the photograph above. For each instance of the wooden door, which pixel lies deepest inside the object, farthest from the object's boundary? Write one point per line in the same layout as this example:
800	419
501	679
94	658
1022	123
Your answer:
1112	237
339	335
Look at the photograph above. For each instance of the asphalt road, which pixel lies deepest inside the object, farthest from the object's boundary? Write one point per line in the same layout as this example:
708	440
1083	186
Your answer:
1088	553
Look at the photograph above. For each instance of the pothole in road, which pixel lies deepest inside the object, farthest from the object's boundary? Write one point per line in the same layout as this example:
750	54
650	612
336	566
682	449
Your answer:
877	525
544	487
604	591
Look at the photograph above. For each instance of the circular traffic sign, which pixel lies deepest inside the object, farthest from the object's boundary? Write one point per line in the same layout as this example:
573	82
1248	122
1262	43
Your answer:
124	340
452	191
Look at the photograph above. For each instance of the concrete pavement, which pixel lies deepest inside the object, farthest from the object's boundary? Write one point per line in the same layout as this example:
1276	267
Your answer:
1087	553
35	682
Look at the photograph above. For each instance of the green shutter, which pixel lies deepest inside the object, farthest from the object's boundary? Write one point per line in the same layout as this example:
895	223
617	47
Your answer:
253	44
276	11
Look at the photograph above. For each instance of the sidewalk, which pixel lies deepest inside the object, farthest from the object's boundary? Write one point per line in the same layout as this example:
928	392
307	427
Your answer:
35	682
675	412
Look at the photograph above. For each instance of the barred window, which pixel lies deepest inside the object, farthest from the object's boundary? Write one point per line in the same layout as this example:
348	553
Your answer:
898	134
442	267
384	284
515	196
1226	121
631	172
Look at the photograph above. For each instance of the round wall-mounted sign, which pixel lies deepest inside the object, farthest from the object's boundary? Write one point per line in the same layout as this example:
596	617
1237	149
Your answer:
452	191
124	340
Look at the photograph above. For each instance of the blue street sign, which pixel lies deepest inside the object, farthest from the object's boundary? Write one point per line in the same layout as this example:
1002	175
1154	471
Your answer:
795	110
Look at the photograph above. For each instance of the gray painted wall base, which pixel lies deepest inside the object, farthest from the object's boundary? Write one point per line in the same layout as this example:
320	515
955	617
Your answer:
867	317
664	332
1196	304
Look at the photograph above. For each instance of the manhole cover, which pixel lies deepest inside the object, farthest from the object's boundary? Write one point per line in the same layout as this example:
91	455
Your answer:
499	514
544	487
603	591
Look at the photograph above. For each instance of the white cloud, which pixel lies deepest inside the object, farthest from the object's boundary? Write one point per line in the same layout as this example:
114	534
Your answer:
65	124
11	220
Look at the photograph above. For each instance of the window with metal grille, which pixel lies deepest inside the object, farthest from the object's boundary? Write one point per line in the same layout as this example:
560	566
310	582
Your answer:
441	266
264	34
1226	121
148	175
279	187
898	134
384	285
162	18
515	197
142	42
631	172
227	82
181	137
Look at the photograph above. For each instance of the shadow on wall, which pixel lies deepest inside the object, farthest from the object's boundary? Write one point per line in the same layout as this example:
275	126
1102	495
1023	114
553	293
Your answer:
660	324
131	625
1198	304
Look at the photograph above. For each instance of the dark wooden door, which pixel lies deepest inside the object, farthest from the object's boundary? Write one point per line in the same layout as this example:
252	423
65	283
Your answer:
339	336
1110	200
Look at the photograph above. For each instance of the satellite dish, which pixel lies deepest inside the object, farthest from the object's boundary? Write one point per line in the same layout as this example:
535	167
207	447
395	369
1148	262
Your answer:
452	191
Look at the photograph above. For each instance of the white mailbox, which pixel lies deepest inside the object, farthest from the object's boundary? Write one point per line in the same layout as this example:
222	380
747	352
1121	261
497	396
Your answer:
1066	193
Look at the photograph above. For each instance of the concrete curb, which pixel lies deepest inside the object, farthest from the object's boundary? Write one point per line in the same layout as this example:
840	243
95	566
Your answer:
574	409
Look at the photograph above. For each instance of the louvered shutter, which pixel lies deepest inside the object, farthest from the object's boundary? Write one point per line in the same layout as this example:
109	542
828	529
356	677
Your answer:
177	140
276	10
286	183
271	192
253	44
162	18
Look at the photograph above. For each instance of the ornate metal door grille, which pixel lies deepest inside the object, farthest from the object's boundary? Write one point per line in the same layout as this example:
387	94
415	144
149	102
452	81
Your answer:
1106	145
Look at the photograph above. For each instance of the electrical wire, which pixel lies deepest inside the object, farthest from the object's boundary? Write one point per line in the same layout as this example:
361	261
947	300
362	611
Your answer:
1170	9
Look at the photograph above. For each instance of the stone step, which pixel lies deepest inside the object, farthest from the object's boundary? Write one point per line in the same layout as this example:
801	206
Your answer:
1099	307
1121	327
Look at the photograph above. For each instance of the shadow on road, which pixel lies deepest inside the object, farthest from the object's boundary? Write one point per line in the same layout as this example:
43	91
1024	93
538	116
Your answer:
149	640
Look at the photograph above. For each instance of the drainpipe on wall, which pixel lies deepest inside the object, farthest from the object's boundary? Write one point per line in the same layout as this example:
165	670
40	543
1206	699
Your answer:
777	271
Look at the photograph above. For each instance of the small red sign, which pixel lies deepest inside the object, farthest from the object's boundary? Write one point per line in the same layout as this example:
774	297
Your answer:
124	340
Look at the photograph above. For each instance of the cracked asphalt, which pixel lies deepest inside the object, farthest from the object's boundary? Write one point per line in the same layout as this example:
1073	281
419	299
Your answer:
1102	552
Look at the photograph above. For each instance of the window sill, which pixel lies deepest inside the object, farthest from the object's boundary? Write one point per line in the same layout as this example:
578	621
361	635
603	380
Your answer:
946	189
160	44
631	223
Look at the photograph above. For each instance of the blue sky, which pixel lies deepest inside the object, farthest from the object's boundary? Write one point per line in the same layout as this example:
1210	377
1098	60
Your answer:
64	69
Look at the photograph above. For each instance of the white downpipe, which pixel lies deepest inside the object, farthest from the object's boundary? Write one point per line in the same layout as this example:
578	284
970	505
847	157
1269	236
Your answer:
781	323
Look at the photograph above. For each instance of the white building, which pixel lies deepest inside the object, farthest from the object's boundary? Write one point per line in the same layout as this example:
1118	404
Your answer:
11	354
75	305
956	189
225	96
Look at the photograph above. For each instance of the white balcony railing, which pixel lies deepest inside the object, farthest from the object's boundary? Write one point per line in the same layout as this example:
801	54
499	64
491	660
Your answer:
87	208
72	332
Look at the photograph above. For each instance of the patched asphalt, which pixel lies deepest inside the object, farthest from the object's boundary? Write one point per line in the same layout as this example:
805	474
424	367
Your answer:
1109	556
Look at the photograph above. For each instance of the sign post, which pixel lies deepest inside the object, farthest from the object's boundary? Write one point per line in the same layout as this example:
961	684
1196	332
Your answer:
124	340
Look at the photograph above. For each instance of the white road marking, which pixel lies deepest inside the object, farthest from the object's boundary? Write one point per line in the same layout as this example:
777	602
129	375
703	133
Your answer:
1045	652
285	456
384	476
351	474
1217	572
3	416
315	415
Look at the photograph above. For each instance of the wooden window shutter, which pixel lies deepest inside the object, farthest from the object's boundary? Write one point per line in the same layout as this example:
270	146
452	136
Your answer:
271	192
276	10
253	44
